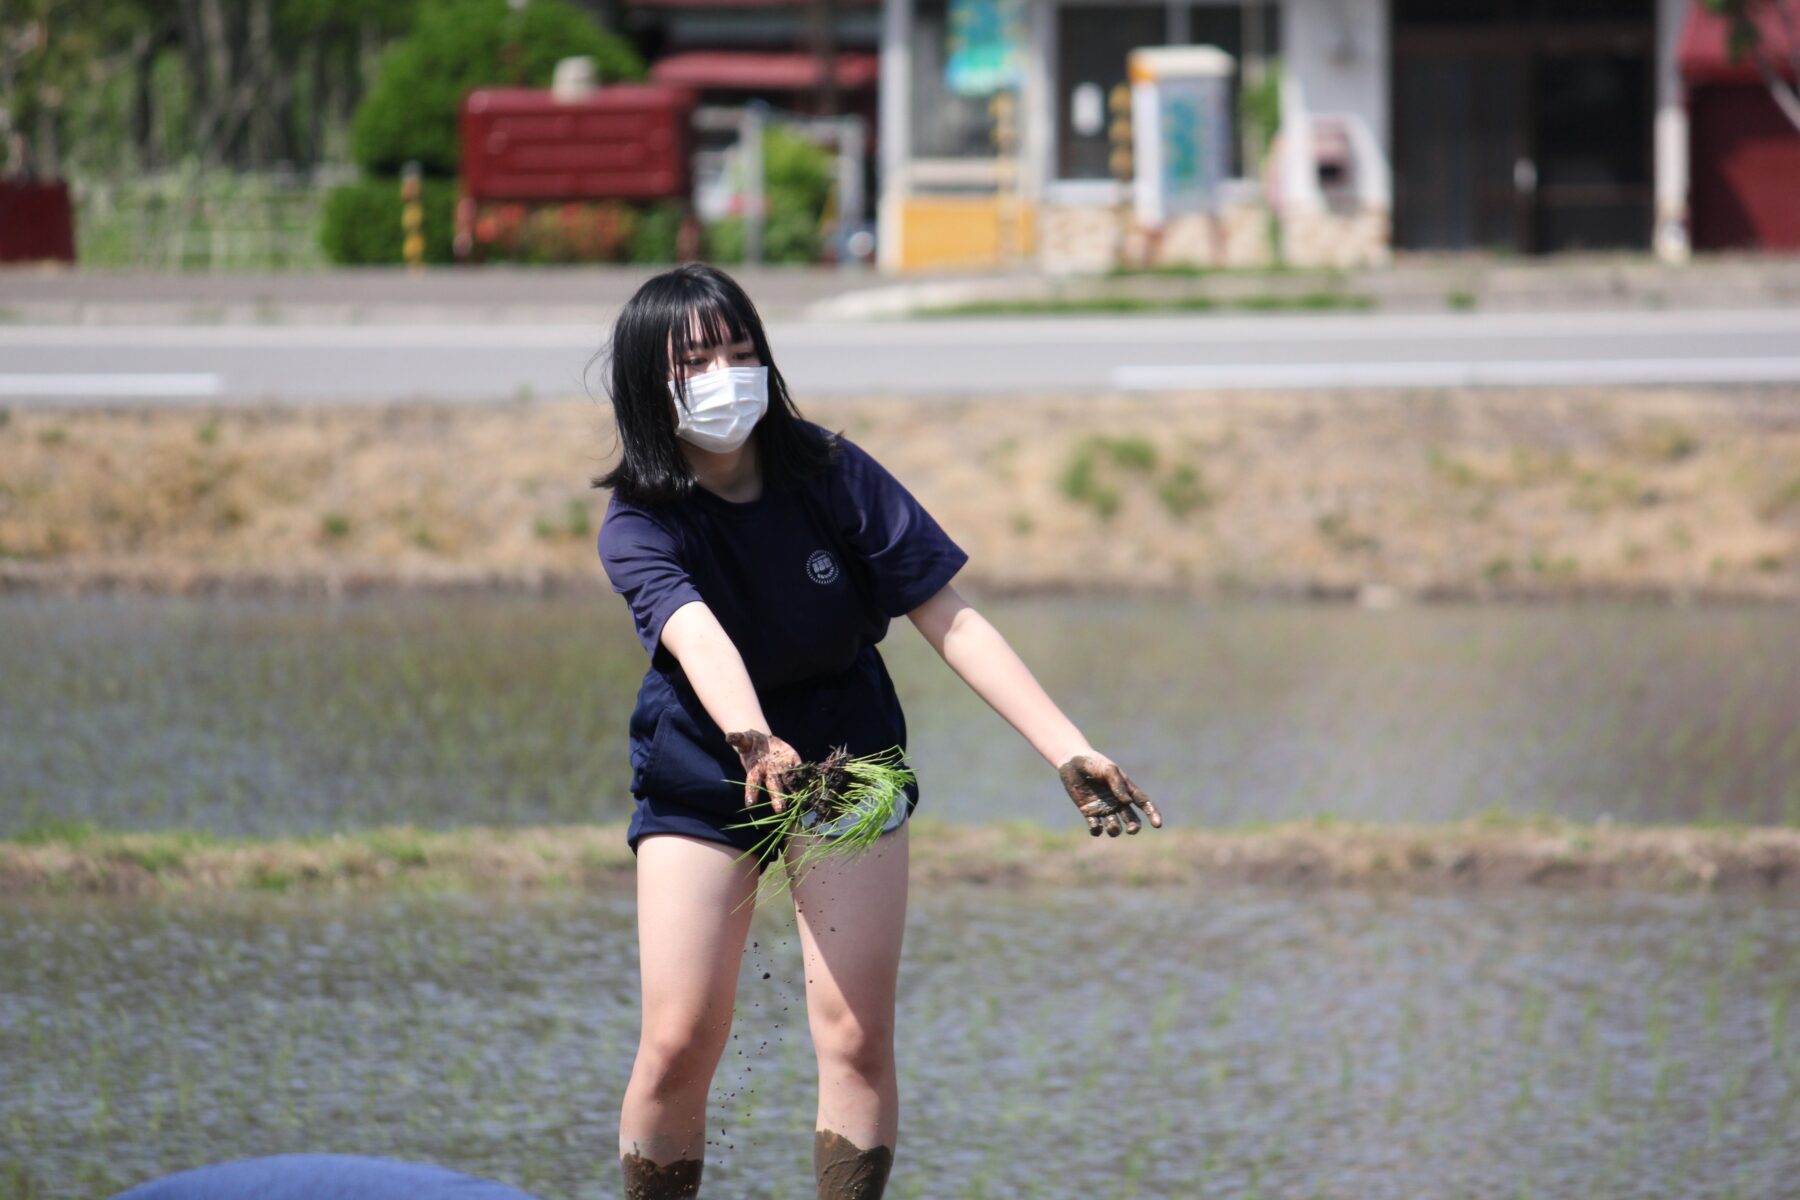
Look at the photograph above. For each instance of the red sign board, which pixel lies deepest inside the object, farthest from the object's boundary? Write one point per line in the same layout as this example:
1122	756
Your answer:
35	222
620	142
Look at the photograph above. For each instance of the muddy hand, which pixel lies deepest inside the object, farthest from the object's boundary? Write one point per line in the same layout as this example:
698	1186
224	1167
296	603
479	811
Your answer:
1105	796
767	763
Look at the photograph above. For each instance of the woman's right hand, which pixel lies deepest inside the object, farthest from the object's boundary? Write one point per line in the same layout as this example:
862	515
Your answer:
768	762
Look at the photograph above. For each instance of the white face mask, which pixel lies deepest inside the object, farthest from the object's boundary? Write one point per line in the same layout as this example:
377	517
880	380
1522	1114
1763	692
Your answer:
722	407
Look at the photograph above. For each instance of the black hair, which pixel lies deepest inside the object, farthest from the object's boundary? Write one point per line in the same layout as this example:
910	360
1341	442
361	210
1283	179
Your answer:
657	327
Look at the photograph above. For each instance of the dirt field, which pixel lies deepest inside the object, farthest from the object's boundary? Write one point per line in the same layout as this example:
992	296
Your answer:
1679	494
1471	854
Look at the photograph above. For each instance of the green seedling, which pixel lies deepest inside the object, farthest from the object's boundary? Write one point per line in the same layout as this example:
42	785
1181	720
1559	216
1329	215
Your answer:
835	808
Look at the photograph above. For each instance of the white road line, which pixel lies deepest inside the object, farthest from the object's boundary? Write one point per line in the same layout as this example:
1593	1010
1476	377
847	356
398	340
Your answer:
1278	329
139	384
1504	373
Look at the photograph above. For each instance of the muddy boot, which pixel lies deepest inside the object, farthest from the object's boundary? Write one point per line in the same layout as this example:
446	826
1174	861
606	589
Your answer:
644	1180
847	1172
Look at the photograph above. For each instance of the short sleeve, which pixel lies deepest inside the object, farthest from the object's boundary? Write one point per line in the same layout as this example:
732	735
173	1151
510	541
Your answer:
909	556
643	564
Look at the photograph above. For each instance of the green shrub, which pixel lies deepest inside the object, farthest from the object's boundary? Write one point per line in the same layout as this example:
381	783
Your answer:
797	178
658	228
1182	491
410	114
361	222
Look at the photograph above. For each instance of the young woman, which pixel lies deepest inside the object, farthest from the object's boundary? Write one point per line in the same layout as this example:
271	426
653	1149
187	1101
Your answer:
762	558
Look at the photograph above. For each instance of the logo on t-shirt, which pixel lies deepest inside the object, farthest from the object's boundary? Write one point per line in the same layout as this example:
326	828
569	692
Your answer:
821	567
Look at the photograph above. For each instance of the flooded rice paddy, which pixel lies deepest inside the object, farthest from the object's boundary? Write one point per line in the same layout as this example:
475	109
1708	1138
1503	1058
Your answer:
293	716
1139	1042
1143	1043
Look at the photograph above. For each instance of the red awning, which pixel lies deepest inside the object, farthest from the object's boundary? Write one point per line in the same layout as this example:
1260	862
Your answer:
760	71
771	4
1705	51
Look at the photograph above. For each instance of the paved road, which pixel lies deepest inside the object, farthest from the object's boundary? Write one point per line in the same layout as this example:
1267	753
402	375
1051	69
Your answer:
76	365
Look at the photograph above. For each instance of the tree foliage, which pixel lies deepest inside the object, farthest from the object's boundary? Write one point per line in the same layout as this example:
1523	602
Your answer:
1751	24
115	85
410	115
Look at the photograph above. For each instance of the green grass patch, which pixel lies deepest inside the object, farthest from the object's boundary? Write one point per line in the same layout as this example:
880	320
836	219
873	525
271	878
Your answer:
154	857
575	522
1099	466
267	877
1183	491
1668	442
403	847
1081	482
56	833
1782	499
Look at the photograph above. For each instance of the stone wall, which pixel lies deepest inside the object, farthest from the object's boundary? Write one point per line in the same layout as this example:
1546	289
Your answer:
1328	239
1086	238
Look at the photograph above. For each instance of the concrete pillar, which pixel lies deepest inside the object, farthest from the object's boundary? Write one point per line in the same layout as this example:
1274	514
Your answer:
1037	102
895	100
1670	236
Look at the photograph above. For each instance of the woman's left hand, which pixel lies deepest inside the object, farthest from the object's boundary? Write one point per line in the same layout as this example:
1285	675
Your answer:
1103	794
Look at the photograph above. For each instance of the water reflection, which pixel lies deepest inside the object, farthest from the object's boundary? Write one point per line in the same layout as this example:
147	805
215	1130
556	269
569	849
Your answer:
1238	1043
292	716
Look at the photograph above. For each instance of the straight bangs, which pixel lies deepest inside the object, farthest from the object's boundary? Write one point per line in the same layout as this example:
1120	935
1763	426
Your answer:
711	321
691	308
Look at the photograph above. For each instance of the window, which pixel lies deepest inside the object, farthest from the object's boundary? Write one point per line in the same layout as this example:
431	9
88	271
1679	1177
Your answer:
944	124
1093	40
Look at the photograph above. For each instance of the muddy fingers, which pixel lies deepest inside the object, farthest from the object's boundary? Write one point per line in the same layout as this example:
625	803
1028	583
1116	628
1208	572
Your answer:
1104	795
768	761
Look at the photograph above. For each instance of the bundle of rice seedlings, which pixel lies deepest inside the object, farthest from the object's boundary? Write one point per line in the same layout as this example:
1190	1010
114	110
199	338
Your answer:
836	808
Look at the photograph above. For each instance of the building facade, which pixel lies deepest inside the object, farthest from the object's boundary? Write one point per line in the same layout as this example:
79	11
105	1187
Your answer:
1522	126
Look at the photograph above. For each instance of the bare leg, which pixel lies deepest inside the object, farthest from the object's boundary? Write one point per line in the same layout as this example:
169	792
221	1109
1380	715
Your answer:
852	915
693	916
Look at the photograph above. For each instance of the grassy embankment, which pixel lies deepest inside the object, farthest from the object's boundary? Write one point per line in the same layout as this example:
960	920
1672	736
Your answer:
1427	494
1495	853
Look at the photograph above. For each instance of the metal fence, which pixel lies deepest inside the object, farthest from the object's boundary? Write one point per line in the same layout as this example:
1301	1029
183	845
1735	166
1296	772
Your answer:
203	220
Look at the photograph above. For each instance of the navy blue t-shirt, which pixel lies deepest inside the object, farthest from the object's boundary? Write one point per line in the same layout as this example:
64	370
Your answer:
804	581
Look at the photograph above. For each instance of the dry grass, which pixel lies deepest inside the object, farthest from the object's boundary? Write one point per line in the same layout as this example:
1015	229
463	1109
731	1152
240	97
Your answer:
1470	854
1429	493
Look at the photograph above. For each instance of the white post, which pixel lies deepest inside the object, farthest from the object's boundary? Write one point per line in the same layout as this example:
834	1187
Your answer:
1670	236
1037	104
750	146
1298	167
895	100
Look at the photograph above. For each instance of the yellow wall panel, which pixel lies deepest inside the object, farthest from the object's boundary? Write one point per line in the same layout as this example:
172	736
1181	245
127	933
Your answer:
962	231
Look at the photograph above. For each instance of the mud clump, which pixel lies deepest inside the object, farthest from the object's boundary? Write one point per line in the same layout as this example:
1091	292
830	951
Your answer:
822	785
845	1171
645	1180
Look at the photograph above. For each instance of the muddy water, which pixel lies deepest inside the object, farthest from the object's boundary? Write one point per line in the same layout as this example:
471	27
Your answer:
1143	1044
287	716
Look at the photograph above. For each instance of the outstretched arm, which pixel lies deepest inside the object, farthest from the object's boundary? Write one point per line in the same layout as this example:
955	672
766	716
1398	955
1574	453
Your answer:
978	653
716	670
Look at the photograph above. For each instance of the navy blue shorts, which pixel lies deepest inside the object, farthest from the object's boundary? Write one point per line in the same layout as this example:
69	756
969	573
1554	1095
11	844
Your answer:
662	816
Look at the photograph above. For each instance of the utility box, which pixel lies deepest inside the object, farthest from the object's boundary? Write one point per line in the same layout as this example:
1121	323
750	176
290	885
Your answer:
619	142
1181	128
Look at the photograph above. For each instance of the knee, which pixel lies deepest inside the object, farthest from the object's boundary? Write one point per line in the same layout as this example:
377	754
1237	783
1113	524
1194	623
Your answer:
677	1054
855	1042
